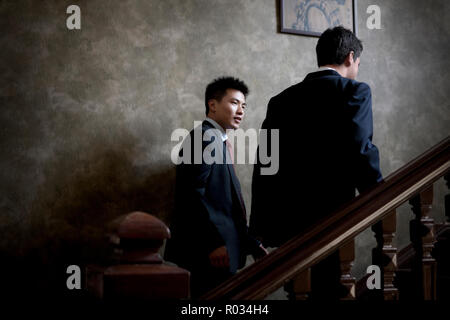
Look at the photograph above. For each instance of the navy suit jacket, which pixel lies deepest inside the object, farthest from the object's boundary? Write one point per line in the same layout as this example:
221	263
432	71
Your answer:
326	151
208	212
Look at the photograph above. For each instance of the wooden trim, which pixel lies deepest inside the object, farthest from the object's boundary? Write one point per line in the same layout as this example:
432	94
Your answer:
405	258
423	239
303	251
300	287
347	259
385	254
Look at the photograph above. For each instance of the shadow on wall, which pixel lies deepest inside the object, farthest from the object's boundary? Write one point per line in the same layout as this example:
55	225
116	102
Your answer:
68	220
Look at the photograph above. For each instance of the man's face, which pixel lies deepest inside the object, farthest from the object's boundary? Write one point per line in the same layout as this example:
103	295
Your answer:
353	69
229	111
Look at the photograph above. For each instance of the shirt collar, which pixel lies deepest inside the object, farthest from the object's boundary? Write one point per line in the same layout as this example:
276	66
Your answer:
326	68
218	127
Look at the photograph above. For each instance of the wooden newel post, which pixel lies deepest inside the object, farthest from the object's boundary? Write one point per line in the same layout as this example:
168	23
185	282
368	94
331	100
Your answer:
423	239
385	254
347	258
138	271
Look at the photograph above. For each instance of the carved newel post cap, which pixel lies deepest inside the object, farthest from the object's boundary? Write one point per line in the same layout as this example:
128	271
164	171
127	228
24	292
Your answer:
138	236
138	271
141	225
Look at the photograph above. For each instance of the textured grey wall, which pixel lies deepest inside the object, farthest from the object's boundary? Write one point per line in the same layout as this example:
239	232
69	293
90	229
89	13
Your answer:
86	116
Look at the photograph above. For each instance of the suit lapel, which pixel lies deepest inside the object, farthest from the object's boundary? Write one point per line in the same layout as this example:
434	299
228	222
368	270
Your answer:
237	189
234	180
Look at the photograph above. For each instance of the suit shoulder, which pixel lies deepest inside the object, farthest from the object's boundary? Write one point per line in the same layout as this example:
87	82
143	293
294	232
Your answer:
356	89
363	89
286	92
359	86
363	86
202	127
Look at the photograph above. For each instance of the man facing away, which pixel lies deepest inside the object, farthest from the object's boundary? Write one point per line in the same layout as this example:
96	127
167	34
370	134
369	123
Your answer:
209	226
326	151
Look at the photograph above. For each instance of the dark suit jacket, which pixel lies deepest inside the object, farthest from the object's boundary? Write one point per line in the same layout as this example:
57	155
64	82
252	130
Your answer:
208	212
326	151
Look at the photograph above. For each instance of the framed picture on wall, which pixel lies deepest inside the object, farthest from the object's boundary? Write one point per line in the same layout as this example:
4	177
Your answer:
312	17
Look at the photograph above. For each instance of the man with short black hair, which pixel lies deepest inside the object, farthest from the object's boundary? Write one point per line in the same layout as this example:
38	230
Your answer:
209	227
326	150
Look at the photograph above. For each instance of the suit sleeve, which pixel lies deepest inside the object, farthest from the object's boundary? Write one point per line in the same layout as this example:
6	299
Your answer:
252	244
367	162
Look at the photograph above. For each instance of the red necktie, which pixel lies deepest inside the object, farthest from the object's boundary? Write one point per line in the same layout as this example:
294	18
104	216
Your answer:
230	150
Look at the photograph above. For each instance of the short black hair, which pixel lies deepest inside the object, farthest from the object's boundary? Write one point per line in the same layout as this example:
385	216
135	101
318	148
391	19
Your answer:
218	88
335	44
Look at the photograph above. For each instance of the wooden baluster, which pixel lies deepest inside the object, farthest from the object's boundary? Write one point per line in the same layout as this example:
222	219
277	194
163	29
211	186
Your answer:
347	257
423	239
300	287
385	254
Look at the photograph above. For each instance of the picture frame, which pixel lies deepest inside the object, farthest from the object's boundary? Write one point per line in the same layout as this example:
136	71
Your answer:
312	17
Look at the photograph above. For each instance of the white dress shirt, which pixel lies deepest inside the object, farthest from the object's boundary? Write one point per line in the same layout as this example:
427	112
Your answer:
224	136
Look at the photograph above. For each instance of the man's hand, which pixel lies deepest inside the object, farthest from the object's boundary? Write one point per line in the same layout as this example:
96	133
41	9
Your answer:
219	258
260	252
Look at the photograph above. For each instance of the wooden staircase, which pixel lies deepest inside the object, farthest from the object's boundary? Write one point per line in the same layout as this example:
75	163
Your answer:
421	271
406	278
418	272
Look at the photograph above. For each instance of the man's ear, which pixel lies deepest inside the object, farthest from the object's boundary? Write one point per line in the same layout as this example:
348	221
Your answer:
349	59
212	105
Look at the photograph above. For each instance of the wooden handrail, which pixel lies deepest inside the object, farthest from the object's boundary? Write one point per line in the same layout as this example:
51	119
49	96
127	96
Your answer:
303	251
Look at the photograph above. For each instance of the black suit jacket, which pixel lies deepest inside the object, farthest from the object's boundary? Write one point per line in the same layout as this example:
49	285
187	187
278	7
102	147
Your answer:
209	212
326	151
